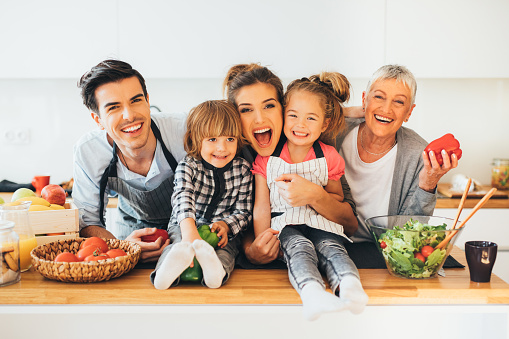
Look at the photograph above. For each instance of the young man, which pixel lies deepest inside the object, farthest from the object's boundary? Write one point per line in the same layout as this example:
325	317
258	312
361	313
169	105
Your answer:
133	154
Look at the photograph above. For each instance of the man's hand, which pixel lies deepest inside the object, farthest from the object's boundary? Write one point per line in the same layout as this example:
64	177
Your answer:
264	248
432	171
222	230
296	190
150	251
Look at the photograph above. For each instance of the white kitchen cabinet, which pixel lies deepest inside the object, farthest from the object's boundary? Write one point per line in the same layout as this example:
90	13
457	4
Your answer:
56	38
202	39
449	39
488	224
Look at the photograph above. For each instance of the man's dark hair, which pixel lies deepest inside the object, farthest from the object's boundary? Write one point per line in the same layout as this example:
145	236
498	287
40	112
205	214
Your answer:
105	72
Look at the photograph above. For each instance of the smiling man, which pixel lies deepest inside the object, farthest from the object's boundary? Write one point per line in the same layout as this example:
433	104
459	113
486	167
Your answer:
133	154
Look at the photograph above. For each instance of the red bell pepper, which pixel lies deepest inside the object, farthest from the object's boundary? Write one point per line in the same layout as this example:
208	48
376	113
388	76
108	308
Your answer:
448	143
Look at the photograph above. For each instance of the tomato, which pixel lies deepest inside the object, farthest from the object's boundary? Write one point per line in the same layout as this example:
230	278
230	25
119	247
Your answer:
95	241
101	256
419	256
426	251
86	251
383	244
153	237
116	252
66	257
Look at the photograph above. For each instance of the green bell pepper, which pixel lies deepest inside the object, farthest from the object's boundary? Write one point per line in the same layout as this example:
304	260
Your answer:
192	273
195	273
206	234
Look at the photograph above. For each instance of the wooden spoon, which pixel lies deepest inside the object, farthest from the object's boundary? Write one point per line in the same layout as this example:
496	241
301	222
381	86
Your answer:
462	202
474	210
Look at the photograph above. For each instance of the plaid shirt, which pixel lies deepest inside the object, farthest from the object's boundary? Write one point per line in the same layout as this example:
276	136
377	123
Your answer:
208	194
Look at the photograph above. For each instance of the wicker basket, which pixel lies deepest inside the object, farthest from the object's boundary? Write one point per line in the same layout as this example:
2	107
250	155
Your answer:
80	272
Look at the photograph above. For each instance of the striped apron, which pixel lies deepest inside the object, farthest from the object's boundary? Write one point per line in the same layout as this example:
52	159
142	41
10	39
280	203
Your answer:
138	209
282	213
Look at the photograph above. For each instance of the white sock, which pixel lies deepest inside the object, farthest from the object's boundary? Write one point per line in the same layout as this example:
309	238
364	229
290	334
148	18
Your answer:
352	293
213	271
177	260
316	301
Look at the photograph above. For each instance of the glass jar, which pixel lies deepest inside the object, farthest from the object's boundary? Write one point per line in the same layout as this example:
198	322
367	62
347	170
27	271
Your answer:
18	213
500	174
9	254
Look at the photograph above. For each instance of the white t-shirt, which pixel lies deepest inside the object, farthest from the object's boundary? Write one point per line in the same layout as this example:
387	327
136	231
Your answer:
370	183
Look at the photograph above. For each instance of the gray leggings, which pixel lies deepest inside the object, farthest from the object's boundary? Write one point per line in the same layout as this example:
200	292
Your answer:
306	249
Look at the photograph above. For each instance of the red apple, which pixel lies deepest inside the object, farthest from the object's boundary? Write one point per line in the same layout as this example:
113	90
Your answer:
153	237
54	194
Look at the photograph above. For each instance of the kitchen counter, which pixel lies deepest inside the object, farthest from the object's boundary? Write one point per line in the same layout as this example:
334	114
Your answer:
253	304
255	287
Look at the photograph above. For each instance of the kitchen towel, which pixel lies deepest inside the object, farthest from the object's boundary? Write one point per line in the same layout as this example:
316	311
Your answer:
365	255
9	186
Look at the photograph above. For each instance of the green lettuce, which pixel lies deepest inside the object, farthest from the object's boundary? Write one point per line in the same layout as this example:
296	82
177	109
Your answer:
401	246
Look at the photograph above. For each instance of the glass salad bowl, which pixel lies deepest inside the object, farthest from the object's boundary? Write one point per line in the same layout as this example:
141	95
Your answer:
413	246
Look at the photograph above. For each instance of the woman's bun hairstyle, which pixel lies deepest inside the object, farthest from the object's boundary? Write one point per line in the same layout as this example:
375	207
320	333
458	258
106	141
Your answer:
243	75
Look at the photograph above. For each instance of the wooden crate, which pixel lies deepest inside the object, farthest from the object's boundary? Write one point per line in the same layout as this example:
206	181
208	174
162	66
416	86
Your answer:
57	221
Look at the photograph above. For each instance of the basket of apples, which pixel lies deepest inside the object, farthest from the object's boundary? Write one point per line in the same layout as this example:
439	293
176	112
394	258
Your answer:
85	259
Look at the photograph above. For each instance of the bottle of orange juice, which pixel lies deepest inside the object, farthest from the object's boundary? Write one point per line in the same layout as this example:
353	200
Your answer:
19	215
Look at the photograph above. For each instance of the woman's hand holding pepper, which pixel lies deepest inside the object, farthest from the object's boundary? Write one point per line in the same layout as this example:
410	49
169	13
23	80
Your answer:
432	171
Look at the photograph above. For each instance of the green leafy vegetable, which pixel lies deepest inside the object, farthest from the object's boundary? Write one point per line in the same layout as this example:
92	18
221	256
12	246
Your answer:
403	242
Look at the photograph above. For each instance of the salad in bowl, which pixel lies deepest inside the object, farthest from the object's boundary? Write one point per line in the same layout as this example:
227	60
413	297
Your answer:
413	247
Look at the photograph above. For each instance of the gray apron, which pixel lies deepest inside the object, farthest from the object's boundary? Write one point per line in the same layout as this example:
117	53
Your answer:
138	209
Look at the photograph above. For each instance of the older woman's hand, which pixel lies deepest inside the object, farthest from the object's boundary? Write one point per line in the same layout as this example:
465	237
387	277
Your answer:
432	171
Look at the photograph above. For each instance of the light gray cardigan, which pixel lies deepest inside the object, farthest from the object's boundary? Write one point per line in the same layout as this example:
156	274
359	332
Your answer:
407	198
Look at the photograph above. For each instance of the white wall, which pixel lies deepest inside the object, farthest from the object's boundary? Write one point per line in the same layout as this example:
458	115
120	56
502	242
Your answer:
476	111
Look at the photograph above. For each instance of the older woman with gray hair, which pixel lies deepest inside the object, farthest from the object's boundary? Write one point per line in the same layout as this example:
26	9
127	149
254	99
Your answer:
386	166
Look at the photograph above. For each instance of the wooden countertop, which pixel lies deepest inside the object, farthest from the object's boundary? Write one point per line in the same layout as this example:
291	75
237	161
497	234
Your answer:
470	203
255	287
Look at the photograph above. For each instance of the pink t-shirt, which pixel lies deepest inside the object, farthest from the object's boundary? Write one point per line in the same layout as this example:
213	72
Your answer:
335	163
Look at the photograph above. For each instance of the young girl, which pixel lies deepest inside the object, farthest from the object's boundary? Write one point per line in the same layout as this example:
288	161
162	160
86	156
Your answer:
313	117
212	186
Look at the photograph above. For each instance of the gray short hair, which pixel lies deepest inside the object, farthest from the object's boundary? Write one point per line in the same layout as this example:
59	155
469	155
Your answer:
398	72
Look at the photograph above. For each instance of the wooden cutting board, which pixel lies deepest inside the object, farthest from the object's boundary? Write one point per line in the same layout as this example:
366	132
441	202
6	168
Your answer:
445	189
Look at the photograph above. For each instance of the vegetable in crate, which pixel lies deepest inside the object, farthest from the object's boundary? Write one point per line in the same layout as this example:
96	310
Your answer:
446	142
195	273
